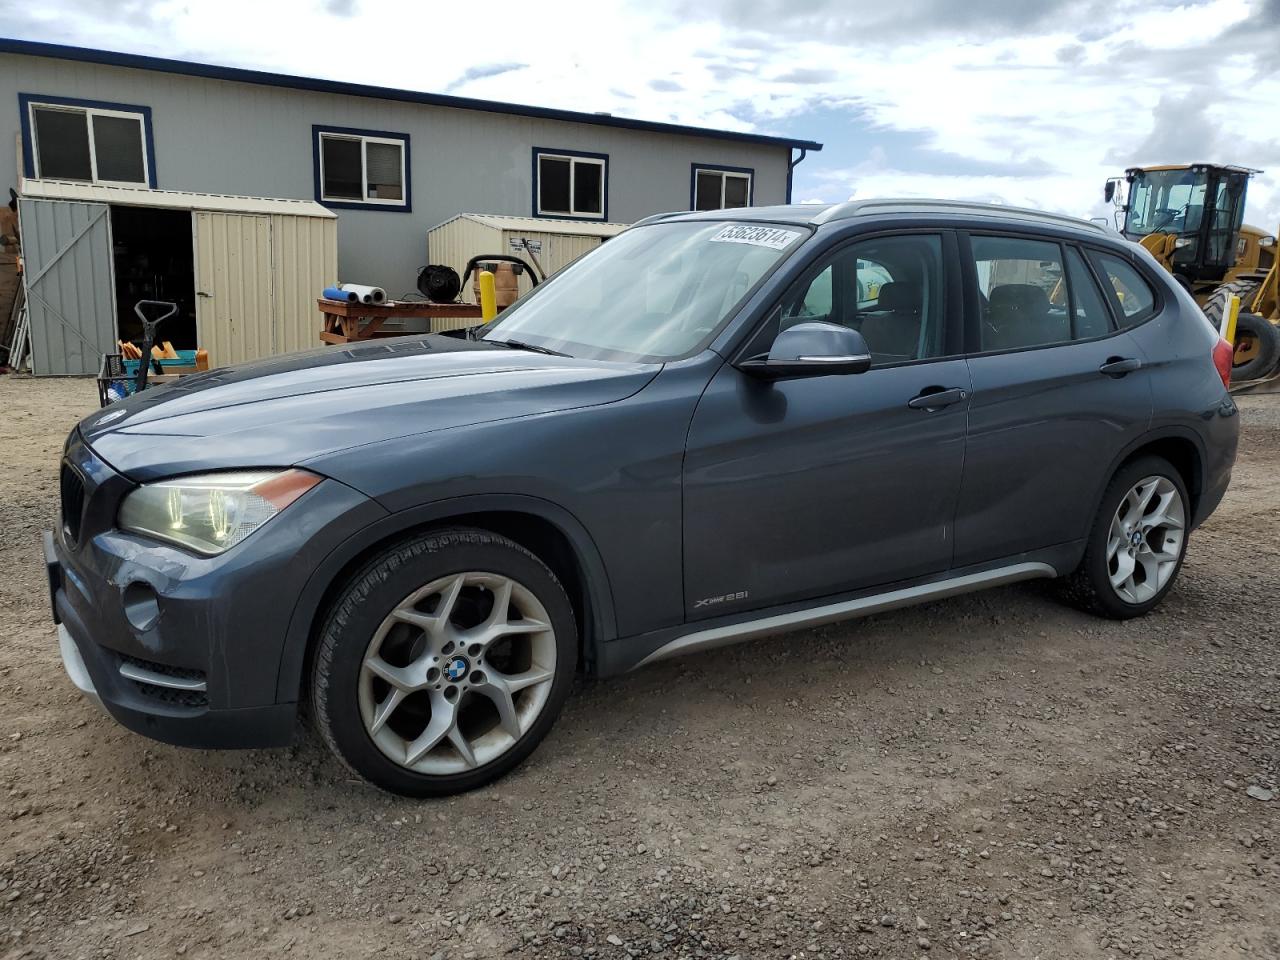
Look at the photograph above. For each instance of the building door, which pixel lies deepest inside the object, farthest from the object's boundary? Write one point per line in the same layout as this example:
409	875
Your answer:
70	288
234	312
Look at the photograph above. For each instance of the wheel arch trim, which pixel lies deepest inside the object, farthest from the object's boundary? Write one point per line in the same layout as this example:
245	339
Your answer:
1171	432
602	625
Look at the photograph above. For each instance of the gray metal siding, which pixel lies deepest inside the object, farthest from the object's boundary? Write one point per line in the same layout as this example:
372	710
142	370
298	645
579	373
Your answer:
70	287
222	137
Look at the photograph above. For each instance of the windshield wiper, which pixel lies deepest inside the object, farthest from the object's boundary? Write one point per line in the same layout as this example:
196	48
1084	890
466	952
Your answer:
531	347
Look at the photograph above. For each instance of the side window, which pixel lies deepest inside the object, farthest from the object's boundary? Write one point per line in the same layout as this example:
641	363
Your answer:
1090	317
1022	292
888	288
1131	294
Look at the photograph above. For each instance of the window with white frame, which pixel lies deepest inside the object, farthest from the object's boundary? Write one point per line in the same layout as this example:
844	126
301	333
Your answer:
355	167
90	143
570	185
721	189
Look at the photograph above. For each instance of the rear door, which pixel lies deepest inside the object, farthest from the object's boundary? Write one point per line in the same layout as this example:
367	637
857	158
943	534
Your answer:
235	316
70	286
1059	390
803	488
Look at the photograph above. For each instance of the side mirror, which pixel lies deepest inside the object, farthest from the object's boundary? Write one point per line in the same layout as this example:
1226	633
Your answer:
812	349
1109	191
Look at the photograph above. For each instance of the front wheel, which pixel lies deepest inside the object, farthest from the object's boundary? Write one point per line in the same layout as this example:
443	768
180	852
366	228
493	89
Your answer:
1136	544
444	662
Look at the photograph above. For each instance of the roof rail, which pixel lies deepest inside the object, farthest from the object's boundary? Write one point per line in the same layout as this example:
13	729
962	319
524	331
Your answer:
859	208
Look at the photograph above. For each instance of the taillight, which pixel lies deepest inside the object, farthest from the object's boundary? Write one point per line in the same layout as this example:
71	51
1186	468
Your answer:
1222	357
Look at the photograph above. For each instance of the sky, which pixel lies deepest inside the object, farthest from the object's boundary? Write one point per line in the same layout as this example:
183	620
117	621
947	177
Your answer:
1026	102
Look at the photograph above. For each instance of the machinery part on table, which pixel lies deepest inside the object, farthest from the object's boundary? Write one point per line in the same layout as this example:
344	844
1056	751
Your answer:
366	294
337	293
494	257
439	283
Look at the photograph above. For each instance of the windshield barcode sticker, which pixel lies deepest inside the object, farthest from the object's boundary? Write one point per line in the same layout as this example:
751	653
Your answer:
775	238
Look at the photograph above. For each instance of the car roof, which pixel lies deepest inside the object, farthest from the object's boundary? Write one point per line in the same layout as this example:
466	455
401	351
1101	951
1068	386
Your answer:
812	214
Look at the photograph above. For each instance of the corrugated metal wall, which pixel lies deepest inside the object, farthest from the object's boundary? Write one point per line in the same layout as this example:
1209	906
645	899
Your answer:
257	279
234	315
457	241
70	283
304	260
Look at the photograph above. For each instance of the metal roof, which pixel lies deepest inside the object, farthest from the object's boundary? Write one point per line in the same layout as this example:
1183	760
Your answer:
190	68
172	199
580	228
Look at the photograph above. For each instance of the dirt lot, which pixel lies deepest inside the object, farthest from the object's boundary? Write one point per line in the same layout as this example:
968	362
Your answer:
991	776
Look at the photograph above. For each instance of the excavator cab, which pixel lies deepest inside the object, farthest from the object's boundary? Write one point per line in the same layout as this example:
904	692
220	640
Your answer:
1200	207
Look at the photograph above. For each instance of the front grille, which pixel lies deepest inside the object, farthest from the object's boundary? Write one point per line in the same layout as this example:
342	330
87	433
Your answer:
72	494
176	686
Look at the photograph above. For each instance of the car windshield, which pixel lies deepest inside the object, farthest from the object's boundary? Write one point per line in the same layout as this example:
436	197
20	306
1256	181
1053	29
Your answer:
654	293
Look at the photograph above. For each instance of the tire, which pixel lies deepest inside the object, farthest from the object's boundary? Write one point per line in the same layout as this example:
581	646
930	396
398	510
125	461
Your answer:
1246	290
1258	346
1090	586
424	705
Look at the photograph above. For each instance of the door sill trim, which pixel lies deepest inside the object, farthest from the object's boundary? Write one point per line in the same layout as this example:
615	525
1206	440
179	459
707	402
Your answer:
699	640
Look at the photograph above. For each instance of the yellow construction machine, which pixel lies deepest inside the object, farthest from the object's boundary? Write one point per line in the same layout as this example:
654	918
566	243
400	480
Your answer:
1191	218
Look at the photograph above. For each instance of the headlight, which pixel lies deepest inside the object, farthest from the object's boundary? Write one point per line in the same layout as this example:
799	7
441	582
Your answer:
212	512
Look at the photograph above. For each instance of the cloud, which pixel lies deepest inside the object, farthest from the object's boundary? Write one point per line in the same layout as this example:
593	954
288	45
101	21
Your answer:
1034	103
480	71
807	75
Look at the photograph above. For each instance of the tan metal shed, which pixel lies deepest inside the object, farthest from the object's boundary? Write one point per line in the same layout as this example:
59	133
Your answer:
554	243
259	263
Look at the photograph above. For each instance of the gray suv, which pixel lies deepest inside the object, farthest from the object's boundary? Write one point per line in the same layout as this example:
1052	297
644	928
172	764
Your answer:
718	426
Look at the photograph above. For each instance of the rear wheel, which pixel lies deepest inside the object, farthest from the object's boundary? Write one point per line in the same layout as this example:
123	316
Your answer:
1136	544
444	662
1256	350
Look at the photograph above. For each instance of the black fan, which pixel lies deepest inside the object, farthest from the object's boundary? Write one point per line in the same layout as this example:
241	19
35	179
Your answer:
439	284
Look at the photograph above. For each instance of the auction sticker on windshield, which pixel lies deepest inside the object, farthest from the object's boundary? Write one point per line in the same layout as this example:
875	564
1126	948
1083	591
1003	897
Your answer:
775	238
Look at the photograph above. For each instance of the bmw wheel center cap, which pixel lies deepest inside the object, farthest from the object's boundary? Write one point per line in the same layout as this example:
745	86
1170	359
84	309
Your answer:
456	669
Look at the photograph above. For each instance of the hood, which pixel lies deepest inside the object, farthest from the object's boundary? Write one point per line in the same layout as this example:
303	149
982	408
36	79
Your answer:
283	410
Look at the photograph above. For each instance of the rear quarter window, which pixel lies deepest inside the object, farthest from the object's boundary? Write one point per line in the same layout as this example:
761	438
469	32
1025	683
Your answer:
1128	290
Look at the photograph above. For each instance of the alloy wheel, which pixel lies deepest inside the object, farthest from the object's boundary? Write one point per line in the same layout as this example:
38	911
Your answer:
1144	545
457	673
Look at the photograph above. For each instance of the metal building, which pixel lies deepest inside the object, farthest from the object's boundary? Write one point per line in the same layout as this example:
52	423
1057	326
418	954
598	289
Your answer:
244	270
547	245
391	163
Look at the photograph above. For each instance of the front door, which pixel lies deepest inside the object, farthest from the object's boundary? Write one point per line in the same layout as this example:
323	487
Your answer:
804	488
234	312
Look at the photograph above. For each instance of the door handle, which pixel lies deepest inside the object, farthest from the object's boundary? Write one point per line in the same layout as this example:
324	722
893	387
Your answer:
1118	366
935	398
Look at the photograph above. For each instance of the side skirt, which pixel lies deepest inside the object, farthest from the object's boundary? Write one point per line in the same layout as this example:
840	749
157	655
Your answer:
692	638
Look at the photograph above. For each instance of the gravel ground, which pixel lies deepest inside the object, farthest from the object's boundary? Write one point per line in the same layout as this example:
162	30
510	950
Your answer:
994	776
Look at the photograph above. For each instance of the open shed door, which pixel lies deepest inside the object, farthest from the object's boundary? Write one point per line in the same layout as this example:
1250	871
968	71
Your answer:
234	313
69	279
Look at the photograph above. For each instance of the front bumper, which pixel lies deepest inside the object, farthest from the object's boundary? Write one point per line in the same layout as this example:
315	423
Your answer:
135	696
183	648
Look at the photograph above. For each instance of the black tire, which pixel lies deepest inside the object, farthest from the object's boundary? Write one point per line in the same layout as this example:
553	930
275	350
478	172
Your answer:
1266	353
367	598
1089	585
1246	290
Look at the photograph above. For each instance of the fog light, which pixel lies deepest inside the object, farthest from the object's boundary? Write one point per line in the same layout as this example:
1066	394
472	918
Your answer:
141	606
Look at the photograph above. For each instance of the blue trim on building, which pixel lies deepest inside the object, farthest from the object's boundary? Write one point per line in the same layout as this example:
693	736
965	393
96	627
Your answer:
28	141
407	207
188	68
604	184
719	168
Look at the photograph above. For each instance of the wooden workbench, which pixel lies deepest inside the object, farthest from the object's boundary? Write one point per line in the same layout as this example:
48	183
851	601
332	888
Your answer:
350	322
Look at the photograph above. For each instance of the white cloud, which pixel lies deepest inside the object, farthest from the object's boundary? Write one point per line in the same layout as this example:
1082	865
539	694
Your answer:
1051	104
